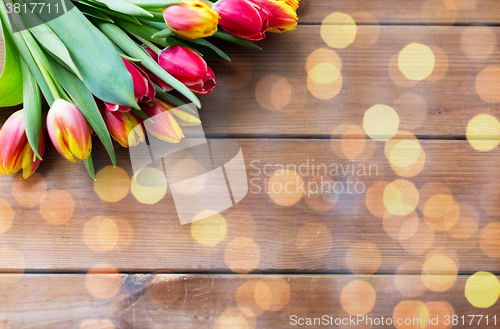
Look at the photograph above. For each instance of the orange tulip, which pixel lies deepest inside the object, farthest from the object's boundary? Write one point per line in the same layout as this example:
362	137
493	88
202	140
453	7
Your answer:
284	14
124	127
69	131
164	125
192	19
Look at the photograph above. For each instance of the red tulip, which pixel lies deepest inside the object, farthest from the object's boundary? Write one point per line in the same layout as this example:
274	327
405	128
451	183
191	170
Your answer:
144	90
124	127
244	19
15	151
69	131
189	68
163	85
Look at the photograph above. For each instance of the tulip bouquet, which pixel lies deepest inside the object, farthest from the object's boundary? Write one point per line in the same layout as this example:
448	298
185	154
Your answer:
106	66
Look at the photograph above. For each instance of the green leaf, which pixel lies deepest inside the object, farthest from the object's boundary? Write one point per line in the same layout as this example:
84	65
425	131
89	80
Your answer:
206	43
92	12
228	37
163	33
143	31
157	17
128	45
154	3
24	52
11	80
125	7
32	104
85	102
156	25
104	73
102	8
89	165
141	115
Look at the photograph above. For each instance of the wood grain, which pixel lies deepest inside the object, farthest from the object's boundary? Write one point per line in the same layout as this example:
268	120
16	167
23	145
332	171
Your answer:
302	237
449	103
211	301
406	12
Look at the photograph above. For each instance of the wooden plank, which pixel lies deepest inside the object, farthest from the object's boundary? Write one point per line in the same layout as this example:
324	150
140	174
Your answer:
306	230
229	301
266	93
405	12
246	100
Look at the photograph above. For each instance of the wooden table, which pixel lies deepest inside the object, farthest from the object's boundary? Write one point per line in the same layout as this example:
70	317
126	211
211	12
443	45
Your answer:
416	237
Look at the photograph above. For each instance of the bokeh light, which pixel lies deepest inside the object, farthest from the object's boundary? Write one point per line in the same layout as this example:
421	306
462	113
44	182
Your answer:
210	230
12	262
112	184
57	207
349	142
414	312
358	297
420	241
405	154
242	255
324	81
374	200
368	33
273	92
440	310
363	258
401	227
482	289
483	131
338	30
284	187
314	240
400	197
103	234
467	224
6	216
151	193
323	55
416	61
29	192
489	240
103	281
478	42
381	122
396	75
235	318
441	64
320	196
408	283
488	84
246	298
439	273
183	171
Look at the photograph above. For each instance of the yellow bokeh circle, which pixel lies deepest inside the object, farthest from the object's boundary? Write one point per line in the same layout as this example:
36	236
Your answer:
416	61
482	289
483	132
338	30
149	193
210	230
381	122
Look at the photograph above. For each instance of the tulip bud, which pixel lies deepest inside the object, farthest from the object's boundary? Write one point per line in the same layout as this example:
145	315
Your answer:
189	68
124	127
192	19
284	15
144	90
15	151
244	19
185	118
68	131
164	125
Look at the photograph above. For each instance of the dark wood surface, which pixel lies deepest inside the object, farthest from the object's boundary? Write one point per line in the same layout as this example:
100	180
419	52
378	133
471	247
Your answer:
75	253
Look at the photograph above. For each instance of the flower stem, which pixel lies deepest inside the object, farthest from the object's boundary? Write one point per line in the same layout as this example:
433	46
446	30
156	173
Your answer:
149	44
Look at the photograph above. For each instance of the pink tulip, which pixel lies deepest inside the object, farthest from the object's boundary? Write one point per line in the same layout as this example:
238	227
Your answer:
189	68
69	131
144	90
163	85
244	19
15	151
